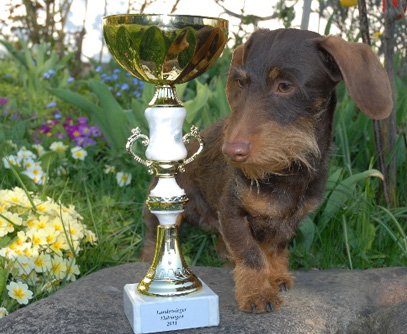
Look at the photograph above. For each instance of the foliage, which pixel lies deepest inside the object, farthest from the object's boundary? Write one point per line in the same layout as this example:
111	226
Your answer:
38	68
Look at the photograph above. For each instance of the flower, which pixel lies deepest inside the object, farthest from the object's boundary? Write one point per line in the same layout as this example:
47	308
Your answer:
35	173
44	238
42	263
7	222
109	169
71	79
3	101
123	179
58	146
78	153
58	267
98	69
11	159
51	105
124	86
20	292
3	312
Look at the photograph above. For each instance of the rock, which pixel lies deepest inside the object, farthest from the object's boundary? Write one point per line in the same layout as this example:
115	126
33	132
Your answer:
326	301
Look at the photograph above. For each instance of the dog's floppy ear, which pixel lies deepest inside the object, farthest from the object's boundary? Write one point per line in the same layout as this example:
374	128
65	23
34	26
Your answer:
364	76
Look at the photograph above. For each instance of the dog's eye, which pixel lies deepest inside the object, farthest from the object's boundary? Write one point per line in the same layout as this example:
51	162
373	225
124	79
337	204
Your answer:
284	87
239	83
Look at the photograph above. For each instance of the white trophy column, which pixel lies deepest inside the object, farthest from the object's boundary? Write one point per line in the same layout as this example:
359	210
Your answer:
165	125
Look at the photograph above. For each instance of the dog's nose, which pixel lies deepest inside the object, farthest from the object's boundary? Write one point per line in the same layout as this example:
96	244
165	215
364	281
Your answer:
238	152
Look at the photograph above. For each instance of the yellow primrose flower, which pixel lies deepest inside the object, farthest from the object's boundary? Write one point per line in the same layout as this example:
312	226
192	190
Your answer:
24	264
20	292
42	263
59	245
3	312
38	237
72	270
42	222
17	196
58	267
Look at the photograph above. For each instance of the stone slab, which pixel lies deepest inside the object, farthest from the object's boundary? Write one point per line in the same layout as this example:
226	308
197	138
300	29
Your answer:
326	301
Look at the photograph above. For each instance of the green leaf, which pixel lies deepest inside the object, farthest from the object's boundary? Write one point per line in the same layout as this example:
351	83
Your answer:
48	158
3	279
113	114
193	106
343	191
306	234
15	53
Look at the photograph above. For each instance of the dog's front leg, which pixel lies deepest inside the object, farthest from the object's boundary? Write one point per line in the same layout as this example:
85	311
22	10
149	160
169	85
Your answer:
258	275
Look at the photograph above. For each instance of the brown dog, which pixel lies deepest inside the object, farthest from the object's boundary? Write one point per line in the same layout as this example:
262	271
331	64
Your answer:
264	167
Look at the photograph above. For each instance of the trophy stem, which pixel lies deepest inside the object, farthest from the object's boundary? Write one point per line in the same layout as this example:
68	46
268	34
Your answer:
165	96
168	275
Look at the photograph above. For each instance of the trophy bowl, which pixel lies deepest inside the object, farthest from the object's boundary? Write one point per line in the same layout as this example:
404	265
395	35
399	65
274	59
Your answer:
165	49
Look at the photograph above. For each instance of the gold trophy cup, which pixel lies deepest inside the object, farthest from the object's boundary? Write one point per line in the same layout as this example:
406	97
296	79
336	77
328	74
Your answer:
166	50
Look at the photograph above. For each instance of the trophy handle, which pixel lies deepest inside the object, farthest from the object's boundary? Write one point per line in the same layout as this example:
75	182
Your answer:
136	134
194	133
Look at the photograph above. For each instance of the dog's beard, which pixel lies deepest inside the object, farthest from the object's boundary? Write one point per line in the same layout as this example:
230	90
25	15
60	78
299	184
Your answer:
277	150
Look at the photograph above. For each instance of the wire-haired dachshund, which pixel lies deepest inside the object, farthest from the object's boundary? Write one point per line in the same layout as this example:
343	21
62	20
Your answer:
264	167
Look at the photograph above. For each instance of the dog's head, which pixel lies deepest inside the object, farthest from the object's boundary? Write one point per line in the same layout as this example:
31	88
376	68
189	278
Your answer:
281	90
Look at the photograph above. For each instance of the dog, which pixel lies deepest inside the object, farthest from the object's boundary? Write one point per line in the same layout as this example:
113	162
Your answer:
264	166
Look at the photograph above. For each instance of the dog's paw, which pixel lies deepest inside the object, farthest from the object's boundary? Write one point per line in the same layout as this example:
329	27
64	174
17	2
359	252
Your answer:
266	301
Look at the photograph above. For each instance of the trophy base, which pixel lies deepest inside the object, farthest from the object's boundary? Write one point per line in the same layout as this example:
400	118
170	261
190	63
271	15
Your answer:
148	314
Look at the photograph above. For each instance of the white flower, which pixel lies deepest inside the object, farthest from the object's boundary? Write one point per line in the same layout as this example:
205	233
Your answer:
40	149
3	312
78	153
35	173
123	179
11	159
23	153
58	146
20	292
109	169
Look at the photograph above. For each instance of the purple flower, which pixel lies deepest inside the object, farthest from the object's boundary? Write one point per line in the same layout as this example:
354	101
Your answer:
124	86
117	70
3	101
71	79
60	135
82	120
98	69
84	130
95	131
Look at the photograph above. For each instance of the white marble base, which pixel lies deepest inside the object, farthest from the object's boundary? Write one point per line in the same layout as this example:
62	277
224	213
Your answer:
159	314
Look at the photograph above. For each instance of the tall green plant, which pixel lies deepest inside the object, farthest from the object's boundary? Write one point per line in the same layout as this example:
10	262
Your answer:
38	68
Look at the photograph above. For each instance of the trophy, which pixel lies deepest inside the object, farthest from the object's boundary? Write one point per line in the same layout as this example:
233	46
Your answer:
166	50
